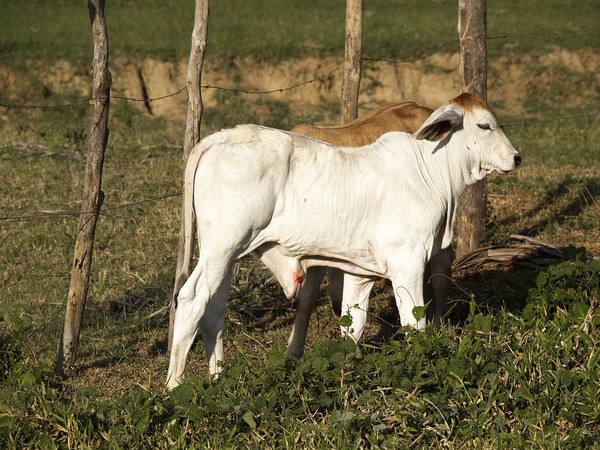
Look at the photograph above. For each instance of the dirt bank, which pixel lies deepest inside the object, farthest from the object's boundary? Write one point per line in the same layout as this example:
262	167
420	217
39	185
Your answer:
570	78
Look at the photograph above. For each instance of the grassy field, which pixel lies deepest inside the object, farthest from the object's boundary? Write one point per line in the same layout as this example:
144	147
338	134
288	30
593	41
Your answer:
271	30
516	364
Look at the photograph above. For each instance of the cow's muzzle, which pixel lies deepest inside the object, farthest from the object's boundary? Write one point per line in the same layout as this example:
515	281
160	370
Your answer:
517	161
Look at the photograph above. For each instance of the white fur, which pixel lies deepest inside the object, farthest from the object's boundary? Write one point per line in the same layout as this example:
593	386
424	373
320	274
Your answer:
380	210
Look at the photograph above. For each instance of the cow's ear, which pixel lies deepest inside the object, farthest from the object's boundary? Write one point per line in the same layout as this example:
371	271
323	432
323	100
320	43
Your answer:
440	123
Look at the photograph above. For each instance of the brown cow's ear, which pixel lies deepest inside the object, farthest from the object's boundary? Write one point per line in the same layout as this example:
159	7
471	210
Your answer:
440	123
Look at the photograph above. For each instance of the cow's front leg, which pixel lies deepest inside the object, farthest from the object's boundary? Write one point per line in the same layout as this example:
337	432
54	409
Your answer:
355	304
407	282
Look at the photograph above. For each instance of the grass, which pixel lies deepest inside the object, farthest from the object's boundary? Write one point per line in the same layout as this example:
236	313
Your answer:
555	144
504	379
396	29
516	366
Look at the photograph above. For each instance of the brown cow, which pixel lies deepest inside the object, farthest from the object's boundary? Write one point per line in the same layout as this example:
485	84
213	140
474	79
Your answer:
406	116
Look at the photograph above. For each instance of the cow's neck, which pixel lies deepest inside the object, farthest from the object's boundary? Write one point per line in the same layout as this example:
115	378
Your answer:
451	172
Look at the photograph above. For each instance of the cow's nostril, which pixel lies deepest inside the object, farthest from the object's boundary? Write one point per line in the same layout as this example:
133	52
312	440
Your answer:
517	160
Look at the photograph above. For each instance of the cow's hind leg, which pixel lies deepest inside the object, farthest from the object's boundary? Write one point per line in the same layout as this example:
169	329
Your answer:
201	304
212	324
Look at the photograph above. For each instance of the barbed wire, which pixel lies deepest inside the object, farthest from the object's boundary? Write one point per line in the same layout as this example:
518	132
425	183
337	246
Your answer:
489	38
545	33
416	58
58	214
427	54
557	119
149	101
61	214
273	91
90	100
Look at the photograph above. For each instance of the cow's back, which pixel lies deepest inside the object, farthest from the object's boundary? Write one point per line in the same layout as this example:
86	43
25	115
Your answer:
406	117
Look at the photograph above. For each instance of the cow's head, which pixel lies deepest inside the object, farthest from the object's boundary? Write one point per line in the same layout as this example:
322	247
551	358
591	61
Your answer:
469	123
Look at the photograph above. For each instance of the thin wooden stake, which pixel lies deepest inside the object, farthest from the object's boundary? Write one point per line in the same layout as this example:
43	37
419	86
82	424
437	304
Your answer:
92	192
352	67
472	32
192	134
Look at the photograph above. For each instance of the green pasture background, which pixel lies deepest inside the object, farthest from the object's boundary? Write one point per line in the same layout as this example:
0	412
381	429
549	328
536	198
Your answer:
515	367
276	29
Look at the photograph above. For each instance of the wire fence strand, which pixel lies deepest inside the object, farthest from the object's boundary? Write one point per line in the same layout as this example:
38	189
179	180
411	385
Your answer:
43	215
58	214
298	84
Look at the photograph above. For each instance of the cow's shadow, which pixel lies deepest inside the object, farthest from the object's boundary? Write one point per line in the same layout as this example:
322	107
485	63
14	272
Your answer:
258	307
571	197
491	289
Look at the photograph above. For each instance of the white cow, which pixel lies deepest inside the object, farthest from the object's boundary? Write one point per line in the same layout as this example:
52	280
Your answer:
404	116
381	210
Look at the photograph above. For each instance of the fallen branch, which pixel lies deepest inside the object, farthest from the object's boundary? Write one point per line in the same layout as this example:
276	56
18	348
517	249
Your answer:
527	252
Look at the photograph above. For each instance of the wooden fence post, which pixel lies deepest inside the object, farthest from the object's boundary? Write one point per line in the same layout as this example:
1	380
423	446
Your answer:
353	57
92	192
192	132
472	32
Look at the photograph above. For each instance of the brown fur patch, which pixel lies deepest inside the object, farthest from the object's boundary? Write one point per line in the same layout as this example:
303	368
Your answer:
469	101
407	117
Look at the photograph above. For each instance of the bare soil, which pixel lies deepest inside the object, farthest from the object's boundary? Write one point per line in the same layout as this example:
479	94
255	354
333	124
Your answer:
430	82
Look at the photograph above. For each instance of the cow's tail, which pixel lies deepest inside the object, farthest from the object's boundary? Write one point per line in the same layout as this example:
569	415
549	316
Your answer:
187	232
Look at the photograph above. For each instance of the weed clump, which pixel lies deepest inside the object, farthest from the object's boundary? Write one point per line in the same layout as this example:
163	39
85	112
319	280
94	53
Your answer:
10	346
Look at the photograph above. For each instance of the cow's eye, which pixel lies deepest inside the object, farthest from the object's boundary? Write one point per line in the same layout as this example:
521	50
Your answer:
484	126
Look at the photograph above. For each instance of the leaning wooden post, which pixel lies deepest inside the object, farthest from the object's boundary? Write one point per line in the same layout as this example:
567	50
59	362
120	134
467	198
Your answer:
472	32
353	57
92	192
192	133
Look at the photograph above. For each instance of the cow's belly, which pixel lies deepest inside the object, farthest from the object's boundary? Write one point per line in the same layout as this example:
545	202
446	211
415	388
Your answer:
346	266
316	245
